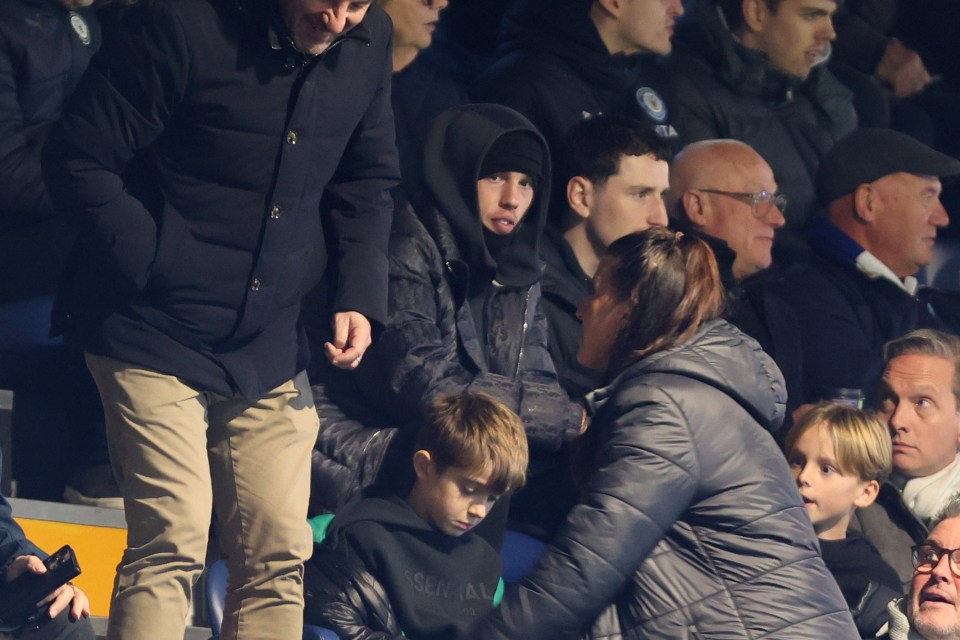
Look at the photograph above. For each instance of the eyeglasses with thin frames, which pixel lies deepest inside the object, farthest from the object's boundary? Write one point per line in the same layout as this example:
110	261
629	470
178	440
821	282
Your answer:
927	556
761	201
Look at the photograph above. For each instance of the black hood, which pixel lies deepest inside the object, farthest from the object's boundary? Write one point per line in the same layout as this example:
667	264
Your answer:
456	146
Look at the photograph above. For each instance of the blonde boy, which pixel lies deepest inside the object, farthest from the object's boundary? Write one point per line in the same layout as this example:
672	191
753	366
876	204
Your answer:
839	456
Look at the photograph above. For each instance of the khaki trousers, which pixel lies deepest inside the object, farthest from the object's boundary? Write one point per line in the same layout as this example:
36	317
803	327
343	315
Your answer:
177	452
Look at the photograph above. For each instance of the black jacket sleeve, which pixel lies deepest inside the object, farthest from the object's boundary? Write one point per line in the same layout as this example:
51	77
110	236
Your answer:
133	86
344	597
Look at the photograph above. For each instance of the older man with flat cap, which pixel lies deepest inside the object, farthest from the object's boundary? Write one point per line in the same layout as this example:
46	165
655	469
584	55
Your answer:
881	191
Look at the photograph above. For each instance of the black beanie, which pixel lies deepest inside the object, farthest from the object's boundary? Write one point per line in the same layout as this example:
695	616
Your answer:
518	151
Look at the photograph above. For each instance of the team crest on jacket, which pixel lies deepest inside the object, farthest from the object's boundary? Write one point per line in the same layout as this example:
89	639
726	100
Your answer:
80	27
652	104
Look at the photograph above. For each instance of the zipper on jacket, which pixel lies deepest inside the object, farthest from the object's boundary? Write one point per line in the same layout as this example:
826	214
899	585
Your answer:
523	332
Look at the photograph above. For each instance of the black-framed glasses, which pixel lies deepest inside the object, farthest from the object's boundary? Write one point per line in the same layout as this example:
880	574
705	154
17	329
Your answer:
761	201
926	556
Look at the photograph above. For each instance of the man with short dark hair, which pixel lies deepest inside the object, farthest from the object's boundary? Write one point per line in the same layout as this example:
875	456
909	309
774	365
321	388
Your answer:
617	174
881	190
215	153
752	70
563	61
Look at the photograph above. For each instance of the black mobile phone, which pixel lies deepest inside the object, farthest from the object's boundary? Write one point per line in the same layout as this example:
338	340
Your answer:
19	598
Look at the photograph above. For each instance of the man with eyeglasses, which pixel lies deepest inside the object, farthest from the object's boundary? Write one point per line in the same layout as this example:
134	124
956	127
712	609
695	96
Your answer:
931	609
881	191
724	191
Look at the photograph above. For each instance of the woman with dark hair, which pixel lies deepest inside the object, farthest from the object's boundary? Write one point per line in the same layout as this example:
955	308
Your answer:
689	524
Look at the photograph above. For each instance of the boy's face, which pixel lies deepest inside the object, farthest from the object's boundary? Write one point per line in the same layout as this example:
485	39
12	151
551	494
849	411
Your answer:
503	199
454	500
829	494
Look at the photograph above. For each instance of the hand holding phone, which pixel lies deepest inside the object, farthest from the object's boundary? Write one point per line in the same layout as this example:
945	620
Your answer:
19	597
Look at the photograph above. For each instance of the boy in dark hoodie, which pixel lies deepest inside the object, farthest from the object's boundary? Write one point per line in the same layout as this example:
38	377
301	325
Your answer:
464	314
413	566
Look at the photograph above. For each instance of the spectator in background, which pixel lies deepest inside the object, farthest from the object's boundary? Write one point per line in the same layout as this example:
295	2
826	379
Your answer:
421	89
45	47
213	152
67	608
920	400
563	61
931	609
723	191
616	177
752	70
683	528
840	456
900	44
881	189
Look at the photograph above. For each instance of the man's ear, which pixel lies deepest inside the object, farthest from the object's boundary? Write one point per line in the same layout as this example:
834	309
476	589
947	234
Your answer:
580	196
696	207
755	13
867	495
423	463
864	203
611	6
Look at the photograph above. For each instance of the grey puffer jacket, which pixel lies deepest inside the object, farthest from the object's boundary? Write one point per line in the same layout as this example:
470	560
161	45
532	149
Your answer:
691	526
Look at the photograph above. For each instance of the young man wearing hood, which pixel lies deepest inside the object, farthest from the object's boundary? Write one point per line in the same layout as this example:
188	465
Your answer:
751	70
464	303
564	61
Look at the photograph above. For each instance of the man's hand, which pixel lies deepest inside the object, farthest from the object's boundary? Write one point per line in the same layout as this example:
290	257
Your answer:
58	600
903	70
351	337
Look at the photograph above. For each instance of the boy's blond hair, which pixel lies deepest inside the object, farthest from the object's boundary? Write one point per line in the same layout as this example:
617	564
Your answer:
861	439
473	430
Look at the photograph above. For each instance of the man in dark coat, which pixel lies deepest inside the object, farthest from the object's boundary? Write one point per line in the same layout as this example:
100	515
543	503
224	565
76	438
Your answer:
751	70
858	291
725	192
196	154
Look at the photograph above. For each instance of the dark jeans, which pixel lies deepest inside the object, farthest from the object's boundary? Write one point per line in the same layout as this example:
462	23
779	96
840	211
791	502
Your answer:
59	628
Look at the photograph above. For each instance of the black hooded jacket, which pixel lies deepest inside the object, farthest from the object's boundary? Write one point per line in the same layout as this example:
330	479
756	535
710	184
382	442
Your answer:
432	343
724	90
382	569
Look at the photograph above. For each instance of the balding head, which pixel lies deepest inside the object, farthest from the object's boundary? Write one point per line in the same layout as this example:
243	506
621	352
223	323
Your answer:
705	168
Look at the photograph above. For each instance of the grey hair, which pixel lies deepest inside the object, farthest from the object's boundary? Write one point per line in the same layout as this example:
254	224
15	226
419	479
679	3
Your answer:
950	510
